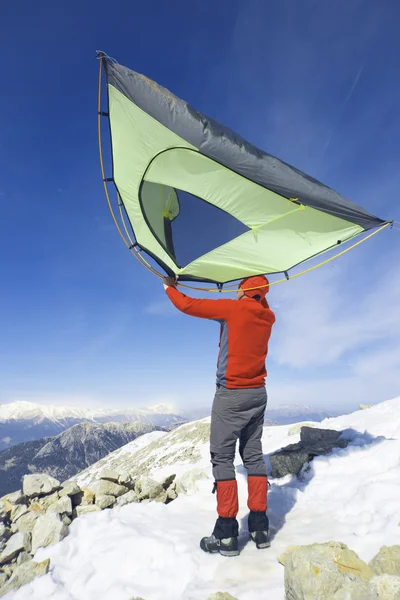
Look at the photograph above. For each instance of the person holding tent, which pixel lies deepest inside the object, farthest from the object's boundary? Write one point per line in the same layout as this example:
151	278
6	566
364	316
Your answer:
238	408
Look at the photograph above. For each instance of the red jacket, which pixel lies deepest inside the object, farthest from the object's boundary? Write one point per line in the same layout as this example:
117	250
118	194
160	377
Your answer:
245	331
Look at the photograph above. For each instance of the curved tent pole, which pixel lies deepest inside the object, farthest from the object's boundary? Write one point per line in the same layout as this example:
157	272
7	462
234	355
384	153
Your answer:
133	247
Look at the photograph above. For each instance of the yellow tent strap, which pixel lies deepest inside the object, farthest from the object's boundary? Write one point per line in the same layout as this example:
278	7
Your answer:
137	254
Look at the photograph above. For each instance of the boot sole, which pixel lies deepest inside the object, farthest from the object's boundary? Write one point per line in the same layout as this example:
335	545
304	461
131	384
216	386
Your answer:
229	553
261	546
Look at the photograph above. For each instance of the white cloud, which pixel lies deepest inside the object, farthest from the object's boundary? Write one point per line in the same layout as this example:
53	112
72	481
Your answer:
323	317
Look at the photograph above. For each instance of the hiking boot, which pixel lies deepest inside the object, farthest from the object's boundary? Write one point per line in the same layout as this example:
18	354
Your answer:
225	546
261	539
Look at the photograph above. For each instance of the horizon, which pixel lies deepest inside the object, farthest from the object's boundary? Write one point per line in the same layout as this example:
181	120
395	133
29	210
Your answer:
85	325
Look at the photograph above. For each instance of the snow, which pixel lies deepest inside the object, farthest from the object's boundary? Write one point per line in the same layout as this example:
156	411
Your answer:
22	410
151	550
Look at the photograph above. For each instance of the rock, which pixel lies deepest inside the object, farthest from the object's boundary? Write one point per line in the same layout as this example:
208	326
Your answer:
48	530
386	587
109	475
7	508
3	512
8	569
69	488
187	483
288	461
5	533
23	557
46	501
168	481
365	406
321	570
17	511
66	520
62	506
39	484
26	522
149	489
17	543
84	498
104	501
83	510
313	442
221	596
3	579
24	574
296	428
128	498
108	488
127	480
386	561
315	435
171	492
36	508
15	498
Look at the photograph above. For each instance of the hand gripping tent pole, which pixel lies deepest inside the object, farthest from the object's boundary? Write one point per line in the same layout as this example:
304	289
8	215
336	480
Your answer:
203	203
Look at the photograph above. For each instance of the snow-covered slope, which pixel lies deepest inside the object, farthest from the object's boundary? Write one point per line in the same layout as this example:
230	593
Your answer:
29	410
151	550
27	421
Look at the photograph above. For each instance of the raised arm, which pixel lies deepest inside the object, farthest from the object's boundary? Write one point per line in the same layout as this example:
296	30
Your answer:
204	309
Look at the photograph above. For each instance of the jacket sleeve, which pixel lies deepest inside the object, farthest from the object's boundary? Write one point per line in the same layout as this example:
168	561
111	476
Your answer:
205	309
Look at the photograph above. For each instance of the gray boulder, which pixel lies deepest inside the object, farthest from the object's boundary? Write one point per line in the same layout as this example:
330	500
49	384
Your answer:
313	442
69	488
126	479
48	530
325	571
39	484
23	557
5	534
17	511
62	506
24	574
17	543
3	512
149	489
387	561
385	587
16	498
108	488
104	500
84	510
128	498
3	580
168	481
109	475
25	523
172	493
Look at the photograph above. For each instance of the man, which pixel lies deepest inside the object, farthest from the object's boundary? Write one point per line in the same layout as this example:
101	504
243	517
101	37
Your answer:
239	406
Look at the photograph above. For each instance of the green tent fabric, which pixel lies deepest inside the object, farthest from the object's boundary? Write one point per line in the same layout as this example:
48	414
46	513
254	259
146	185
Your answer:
264	216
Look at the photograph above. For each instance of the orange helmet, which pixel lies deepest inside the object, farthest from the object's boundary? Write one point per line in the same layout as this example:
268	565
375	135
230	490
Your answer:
260	284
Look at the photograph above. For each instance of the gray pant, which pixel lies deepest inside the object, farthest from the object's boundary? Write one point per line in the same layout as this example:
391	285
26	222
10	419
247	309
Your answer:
237	415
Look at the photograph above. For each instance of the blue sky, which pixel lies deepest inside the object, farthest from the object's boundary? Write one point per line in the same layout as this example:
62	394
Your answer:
314	83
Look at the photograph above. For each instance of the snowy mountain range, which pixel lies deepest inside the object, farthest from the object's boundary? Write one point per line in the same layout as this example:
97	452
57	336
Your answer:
150	550
67	453
26	421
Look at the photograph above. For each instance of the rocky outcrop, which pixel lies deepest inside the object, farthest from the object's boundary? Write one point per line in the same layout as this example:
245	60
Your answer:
332	571
66	454
39	515
313	442
386	561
